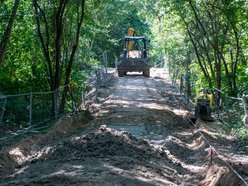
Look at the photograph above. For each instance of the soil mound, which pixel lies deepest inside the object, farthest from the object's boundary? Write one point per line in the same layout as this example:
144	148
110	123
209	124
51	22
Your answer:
98	157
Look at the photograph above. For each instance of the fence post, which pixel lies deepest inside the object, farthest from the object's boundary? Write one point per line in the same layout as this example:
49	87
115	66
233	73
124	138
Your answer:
106	61
30	108
83	98
181	84
3	109
245	119
97	79
218	102
188	87
174	78
55	104
116	62
177	71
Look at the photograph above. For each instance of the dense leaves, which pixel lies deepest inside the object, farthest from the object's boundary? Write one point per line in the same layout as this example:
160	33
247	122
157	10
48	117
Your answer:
26	64
210	36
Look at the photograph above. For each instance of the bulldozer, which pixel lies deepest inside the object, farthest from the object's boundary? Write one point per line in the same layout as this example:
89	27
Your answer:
204	105
134	56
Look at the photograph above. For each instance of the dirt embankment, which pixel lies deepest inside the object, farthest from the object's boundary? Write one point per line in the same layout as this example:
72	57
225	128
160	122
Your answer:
140	135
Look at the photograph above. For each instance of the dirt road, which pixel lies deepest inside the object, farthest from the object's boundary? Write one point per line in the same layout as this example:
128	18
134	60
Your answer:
140	135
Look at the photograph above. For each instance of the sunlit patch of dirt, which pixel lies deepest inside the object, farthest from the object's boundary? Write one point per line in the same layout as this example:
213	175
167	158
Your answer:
17	155
212	175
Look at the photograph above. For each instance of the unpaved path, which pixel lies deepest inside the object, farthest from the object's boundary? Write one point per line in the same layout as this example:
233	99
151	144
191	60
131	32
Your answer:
140	136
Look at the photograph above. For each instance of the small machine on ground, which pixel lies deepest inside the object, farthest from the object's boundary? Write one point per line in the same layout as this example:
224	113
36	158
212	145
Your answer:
204	105
134	56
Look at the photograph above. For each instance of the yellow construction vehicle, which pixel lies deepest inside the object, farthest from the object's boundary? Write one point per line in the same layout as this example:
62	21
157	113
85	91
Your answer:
134	56
204	105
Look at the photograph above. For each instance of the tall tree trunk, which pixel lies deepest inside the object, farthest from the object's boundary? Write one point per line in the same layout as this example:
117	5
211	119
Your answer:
44	42
209	60
235	66
59	32
69	66
5	38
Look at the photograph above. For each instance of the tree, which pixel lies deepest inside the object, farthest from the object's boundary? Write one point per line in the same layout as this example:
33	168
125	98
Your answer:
7	33
59	43
215	33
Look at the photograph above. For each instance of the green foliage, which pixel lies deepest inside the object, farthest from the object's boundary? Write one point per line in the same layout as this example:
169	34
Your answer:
242	75
188	33
23	70
242	133
245	148
107	23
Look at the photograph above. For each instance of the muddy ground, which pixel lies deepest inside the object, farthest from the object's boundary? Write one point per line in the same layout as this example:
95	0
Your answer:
136	133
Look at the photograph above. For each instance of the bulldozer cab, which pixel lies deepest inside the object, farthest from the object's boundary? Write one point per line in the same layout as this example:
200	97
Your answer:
134	47
134	55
